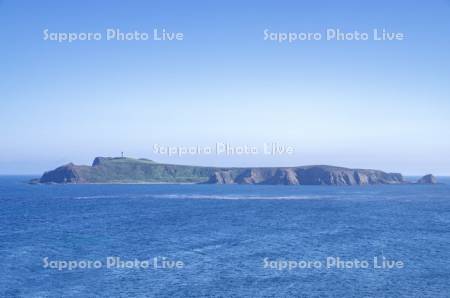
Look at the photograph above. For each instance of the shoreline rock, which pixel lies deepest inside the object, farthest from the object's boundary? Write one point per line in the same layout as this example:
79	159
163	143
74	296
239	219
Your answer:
427	179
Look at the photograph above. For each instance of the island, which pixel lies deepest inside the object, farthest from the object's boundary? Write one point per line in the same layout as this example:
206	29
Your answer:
131	170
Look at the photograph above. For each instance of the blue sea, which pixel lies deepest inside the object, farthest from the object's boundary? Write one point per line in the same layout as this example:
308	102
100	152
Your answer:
227	240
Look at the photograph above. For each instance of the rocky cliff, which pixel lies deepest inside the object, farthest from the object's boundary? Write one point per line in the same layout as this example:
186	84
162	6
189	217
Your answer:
129	170
306	175
427	179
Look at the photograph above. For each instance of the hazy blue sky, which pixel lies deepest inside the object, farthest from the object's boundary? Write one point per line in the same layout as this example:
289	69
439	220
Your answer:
364	104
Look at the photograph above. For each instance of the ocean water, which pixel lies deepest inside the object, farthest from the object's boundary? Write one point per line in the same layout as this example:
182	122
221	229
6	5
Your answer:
229	241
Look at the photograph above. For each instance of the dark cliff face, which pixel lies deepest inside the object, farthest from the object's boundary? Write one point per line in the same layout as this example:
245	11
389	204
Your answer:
313	175
128	170
64	174
427	179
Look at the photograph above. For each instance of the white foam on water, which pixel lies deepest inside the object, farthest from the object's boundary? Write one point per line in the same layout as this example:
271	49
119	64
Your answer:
212	197
244	197
99	197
